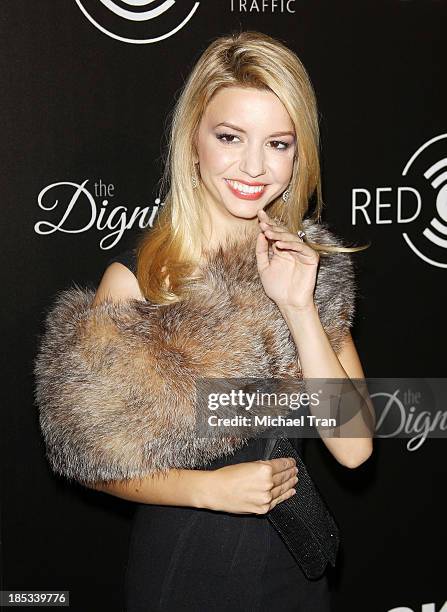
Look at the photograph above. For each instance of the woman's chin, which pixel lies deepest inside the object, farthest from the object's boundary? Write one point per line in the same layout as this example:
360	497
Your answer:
245	210
245	215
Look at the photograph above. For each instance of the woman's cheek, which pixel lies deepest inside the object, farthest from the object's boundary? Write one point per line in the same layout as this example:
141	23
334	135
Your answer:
215	160
222	155
284	169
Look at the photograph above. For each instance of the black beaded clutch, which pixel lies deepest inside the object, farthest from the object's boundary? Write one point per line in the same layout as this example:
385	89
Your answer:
304	521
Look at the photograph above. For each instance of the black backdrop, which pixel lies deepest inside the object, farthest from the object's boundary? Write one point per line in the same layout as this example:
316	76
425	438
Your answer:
83	105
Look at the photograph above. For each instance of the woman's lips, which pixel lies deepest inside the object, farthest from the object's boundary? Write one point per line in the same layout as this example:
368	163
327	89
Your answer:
245	196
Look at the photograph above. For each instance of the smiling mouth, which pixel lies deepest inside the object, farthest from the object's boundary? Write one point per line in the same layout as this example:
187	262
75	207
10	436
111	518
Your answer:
252	191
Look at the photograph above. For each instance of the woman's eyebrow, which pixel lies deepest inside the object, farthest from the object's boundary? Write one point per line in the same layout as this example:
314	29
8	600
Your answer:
238	129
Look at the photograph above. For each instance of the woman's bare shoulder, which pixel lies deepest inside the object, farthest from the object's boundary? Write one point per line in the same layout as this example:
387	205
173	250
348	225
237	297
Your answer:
118	283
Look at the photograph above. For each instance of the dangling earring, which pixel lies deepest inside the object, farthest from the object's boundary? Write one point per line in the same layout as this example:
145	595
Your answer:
286	195
194	179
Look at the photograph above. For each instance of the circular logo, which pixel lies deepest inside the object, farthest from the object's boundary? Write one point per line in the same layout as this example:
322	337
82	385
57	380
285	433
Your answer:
429	163
138	21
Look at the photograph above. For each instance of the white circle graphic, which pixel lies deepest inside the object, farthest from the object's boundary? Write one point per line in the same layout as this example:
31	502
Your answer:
137	17
439	181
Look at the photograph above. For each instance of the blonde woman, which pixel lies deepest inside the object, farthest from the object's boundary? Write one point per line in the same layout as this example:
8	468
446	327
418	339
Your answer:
242	164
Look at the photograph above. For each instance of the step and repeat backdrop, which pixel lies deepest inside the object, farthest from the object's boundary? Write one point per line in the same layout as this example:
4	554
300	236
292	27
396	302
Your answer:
88	86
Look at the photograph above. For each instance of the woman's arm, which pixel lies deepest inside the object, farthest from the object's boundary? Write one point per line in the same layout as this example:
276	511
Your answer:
252	487
289	279
318	360
193	488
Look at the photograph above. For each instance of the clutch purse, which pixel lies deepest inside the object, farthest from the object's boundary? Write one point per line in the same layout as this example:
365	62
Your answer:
303	521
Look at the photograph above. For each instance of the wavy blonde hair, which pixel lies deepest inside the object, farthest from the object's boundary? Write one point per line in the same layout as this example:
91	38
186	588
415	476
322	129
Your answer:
168	253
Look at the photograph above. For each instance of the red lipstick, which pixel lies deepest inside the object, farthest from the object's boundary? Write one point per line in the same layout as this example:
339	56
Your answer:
246	196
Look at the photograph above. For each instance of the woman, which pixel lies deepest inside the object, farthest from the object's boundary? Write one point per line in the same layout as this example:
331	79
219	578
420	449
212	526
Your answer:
242	165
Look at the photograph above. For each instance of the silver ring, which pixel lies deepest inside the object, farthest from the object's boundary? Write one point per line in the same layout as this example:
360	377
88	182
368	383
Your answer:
301	235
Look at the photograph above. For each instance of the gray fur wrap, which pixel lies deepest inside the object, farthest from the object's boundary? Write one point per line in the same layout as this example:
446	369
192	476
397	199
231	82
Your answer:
115	384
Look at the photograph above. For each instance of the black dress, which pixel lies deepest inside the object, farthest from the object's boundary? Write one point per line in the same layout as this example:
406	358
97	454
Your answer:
207	561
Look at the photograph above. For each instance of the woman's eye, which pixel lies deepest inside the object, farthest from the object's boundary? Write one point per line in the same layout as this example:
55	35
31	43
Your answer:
222	136
284	145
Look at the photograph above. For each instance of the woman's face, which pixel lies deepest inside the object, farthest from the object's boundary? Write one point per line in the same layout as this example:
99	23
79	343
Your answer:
246	145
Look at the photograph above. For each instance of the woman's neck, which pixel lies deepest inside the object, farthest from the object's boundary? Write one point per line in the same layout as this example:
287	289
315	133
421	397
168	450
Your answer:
216	233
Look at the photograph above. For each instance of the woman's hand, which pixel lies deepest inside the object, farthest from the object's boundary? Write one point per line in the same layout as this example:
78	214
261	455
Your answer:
253	486
288	271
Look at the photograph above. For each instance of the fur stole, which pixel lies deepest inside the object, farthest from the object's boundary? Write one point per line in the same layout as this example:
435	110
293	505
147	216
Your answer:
115	384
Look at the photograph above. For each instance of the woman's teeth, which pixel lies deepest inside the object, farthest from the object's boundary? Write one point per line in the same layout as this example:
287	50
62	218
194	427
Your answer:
245	188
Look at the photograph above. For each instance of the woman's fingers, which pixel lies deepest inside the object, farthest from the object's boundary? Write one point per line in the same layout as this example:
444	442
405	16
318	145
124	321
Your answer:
284	481
276	234
282	237
280	477
285	486
283	489
298	247
271	226
289	493
262	251
290	242
281	464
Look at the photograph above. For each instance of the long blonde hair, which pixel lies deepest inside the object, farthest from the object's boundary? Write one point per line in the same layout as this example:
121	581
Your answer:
172	247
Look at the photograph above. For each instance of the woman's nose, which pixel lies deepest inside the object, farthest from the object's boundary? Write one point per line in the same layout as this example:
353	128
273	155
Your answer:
252	162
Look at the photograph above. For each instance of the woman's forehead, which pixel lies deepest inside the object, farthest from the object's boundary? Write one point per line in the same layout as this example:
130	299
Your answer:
248	106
